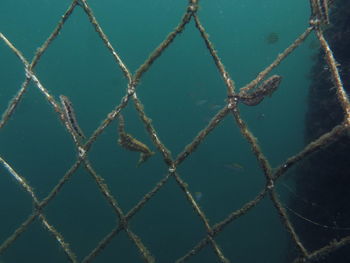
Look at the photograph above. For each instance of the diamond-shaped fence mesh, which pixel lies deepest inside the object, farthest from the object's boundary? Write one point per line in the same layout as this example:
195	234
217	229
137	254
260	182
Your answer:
251	94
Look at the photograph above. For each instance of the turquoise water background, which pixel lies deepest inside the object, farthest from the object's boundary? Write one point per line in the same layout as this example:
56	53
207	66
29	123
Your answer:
181	92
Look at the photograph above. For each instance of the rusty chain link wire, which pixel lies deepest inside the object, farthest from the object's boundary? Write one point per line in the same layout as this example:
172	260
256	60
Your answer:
319	17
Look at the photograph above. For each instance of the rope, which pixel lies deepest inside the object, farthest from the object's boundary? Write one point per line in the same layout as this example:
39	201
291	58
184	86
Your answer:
251	94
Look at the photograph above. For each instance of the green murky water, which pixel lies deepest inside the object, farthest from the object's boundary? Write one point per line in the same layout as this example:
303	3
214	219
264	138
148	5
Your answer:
181	92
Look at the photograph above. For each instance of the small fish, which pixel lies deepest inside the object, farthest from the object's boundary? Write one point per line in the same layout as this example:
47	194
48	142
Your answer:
216	107
198	196
261	116
70	117
265	89
272	38
129	142
200	102
235	166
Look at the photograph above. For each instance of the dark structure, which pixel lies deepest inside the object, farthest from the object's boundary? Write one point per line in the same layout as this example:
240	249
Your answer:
323	180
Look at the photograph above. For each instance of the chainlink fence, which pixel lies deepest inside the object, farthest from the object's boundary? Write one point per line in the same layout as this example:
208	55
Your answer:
251	94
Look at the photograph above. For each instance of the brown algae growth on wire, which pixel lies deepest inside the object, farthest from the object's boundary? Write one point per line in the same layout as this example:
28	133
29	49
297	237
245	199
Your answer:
130	143
249	95
69	116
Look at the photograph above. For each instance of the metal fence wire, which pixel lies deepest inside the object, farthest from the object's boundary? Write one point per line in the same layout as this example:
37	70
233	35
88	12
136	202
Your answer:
250	94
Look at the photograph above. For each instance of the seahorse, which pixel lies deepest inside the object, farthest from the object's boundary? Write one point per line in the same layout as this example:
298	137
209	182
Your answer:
129	142
267	88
